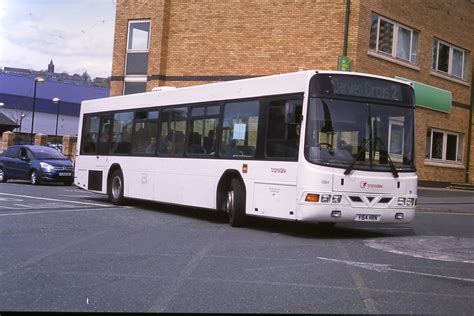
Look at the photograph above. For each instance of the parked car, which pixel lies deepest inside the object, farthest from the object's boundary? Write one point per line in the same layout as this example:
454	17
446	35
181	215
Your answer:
36	164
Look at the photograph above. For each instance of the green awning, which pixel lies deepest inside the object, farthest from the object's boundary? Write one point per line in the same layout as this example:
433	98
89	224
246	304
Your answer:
430	97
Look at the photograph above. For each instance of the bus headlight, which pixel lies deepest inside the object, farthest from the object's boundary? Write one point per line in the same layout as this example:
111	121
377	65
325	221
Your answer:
410	202
401	201
325	198
336	199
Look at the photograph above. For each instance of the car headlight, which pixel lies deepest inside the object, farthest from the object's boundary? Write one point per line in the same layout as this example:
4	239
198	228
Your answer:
46	166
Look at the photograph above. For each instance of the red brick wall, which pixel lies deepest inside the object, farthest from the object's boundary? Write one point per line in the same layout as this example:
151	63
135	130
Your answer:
260	37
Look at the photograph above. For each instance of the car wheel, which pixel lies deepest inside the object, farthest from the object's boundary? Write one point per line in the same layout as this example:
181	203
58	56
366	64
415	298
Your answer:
34	177
3	178
115	188
235	203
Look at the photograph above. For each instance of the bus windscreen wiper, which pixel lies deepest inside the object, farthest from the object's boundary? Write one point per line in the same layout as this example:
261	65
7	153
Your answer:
361	150
390	162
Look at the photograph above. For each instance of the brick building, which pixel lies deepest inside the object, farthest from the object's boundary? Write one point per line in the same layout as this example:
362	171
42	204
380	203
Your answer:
188	42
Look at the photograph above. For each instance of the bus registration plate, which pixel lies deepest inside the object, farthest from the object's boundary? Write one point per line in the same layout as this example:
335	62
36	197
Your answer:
367	218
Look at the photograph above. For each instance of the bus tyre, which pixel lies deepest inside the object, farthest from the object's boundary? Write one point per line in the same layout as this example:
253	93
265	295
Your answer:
235	203
115	188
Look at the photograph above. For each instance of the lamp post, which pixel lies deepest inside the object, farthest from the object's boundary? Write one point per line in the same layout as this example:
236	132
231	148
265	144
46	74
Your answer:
56	101
37	80
22	116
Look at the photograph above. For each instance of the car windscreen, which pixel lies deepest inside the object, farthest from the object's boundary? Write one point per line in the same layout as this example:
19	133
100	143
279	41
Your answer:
47	153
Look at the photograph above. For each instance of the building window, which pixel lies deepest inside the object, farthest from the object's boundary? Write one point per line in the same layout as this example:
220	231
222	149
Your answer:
131	87
449	59
393	39
136	65
443	145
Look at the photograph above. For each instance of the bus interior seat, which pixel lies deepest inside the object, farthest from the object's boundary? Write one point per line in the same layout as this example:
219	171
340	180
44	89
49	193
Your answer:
195	143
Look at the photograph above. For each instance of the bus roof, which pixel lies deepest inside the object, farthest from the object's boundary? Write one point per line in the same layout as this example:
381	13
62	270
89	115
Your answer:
289	83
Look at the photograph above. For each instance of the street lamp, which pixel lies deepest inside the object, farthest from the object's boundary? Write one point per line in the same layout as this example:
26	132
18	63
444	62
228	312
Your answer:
22	116
56	101
37	80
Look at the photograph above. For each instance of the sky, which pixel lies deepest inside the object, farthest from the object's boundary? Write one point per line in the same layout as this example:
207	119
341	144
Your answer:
77	35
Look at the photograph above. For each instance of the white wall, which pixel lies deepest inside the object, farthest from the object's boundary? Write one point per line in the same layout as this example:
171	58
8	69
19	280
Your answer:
44	123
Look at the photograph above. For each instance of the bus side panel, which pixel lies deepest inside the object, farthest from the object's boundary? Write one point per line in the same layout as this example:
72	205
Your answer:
273	190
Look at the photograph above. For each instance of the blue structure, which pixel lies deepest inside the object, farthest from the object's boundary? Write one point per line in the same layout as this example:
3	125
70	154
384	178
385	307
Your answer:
16	92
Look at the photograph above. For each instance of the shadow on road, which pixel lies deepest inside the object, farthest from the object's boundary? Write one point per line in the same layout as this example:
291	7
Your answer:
290	228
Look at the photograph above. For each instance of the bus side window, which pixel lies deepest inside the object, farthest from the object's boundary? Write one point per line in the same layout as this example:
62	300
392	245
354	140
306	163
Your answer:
90	134
173	131
144	132
122	133
283	130
239	129
203	125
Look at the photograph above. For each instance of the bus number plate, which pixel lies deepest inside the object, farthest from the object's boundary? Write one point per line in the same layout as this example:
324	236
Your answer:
367	218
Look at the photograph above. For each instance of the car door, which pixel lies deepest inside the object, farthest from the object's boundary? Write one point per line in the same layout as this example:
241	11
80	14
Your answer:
9	162
23	163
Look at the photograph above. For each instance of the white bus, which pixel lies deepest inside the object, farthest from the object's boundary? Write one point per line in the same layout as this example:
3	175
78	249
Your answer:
314	146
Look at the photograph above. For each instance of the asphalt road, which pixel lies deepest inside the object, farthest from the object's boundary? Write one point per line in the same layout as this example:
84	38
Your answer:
63	249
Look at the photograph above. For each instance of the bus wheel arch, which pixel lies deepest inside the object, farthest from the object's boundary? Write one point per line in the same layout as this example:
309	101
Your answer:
231	197
115	185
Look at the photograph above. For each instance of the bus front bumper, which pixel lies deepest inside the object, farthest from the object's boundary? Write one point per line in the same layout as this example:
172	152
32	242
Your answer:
347	214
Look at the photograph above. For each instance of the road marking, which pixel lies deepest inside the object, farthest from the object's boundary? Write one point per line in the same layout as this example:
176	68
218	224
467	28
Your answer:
56	200
58	211
362	288
441	248
77	195
378	267
23	205
10	199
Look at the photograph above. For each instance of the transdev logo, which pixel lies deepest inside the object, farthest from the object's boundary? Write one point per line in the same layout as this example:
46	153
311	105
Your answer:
365	184
278	170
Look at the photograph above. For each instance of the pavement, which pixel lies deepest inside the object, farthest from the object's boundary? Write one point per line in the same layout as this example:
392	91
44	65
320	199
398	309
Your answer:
445	200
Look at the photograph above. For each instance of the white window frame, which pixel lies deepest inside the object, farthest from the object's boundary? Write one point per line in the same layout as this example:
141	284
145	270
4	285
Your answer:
459	139
130	22
437	41
135	78
396	27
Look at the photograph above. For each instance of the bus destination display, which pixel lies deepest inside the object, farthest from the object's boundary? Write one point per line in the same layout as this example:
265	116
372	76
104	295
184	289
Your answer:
366	88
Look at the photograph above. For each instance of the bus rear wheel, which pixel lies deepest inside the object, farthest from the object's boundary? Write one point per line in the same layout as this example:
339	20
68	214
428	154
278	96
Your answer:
115	188
235	203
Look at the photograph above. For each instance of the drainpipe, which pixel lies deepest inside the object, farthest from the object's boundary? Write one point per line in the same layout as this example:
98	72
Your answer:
468	158
346	28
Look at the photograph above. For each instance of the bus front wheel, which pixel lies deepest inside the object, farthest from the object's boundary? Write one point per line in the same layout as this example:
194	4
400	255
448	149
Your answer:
235	203
115	188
